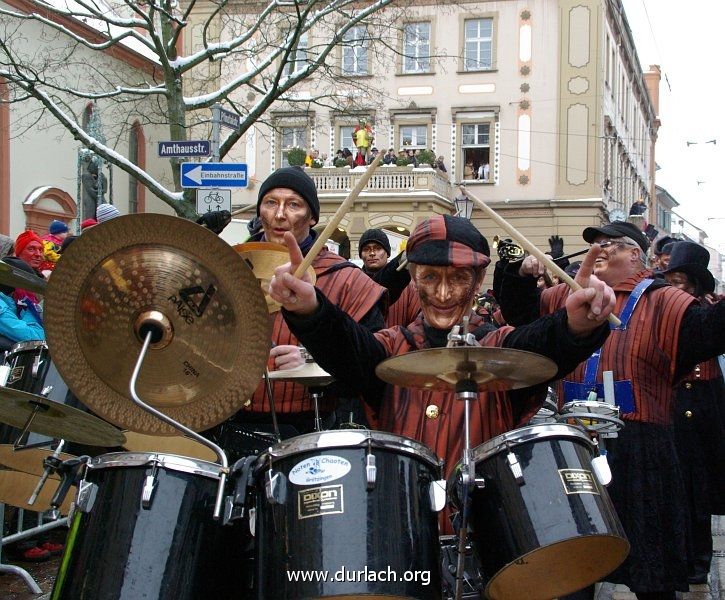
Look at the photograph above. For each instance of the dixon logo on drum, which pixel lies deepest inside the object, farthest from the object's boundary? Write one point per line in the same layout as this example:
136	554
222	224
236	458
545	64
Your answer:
319	469
578	481
314	502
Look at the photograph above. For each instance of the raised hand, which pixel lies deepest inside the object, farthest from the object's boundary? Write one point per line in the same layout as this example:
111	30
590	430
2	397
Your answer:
588	307
295	295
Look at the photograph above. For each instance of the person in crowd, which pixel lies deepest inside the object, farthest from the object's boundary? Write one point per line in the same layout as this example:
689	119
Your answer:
374	250
447	258
29	248
664	334
288	205
373	155
7	246
440	164
106	212
699	417
468	170
347	156
52	241
87	224
389	158
659	259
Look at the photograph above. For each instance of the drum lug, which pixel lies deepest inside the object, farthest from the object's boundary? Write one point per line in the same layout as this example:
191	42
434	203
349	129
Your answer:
370	471
437	495
86	496
479	482
275	487
147	493
252	521
515	468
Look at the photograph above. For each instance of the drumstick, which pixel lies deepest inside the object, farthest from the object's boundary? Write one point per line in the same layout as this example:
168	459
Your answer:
533	250
337	217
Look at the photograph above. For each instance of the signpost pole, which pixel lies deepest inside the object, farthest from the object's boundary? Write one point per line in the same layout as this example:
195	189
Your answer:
215	131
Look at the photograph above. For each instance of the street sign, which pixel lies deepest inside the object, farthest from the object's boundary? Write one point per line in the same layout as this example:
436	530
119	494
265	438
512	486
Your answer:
225	175
185	148
229	119
212	199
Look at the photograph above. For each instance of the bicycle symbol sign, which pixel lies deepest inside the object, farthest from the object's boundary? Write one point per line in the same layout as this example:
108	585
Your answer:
212	199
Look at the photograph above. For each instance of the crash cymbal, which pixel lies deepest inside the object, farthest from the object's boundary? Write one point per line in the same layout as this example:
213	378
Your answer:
28	460
18	278
172	444
493	369
55	419
151	272
263	258
16	488
309	374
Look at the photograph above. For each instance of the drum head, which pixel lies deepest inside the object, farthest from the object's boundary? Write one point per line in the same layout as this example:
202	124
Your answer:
558	569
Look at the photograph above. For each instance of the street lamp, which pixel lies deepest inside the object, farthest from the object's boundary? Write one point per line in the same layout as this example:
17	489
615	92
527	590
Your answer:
464	206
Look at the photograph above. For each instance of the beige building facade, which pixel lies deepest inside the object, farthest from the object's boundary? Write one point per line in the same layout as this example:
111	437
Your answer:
548	95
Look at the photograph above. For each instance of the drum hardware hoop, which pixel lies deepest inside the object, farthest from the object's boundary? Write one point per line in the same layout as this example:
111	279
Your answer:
172	462
149	487
602	425
515	467
86	497
370	470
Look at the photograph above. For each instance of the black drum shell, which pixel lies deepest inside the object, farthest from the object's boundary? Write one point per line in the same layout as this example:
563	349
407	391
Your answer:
391	527
536	540
174	550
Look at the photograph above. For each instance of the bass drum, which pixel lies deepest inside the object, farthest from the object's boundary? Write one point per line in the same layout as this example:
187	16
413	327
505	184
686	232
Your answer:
347	513
144	528
544	526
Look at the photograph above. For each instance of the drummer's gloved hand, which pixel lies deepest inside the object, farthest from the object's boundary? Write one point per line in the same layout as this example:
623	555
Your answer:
215	220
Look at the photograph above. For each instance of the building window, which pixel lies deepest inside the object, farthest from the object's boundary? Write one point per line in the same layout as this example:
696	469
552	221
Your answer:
413	136
346	137
416	48
291	137
297	59
355	52
476	151
478	47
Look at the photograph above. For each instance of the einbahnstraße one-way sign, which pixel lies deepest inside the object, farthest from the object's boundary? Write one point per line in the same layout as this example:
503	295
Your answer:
223	175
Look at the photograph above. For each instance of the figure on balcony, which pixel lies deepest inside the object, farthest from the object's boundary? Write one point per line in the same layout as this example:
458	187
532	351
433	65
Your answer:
363	137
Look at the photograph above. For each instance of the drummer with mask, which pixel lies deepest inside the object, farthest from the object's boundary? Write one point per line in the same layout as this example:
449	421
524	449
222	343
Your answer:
447	258
288	208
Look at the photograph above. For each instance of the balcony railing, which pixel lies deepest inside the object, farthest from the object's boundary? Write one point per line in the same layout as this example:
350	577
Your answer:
385	179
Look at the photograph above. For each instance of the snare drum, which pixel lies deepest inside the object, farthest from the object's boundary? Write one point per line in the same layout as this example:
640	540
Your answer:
351	512
144	528
544	526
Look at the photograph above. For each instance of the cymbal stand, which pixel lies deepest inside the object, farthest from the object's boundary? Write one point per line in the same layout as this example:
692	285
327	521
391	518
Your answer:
270	395
176	425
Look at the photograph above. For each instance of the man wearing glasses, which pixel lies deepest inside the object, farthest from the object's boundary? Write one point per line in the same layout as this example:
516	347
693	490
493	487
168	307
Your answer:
664	334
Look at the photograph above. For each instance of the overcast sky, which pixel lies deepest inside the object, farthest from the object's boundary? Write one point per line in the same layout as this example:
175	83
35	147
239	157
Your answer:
688	42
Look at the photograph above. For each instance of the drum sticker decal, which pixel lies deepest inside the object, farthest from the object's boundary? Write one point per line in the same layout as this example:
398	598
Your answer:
578	481
319	469
315	502
15	375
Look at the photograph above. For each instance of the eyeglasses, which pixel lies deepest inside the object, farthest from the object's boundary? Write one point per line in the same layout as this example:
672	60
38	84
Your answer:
611	244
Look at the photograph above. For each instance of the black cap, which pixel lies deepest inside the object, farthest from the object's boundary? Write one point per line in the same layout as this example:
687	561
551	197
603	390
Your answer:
293	178
374	235
660	244
618	229
693	260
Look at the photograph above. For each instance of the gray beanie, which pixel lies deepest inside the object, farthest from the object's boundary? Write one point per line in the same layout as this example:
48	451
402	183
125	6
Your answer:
374	235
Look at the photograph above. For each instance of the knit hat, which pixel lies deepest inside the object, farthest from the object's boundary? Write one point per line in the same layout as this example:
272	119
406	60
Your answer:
24	239
106	212
57	227
444	240
618	229
293	178
693	260
88	223
374	235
